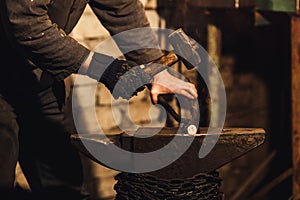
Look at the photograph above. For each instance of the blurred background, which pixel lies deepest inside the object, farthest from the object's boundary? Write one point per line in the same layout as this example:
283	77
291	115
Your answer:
252	42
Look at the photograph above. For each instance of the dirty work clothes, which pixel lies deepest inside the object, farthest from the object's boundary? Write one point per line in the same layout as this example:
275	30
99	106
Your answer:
38	31
34	124
34	35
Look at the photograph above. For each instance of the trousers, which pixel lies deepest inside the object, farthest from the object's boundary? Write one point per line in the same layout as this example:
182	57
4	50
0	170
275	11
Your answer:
35	126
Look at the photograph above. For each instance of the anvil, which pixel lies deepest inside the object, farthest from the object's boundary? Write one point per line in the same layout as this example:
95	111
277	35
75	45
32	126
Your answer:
232	143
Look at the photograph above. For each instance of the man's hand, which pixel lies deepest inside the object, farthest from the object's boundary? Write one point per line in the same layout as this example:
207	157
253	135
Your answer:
165	83
133	78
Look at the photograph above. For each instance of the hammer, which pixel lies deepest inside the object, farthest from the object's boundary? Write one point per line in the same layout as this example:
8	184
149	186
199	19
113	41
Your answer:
186	50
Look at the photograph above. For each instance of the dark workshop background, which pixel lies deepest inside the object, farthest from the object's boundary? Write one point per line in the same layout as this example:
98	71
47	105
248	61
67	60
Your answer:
255	64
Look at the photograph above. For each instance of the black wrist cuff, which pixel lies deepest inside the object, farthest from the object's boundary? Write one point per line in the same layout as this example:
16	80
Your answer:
123	78
98	65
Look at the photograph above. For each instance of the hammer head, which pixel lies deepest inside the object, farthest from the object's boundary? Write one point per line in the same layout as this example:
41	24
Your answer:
186	48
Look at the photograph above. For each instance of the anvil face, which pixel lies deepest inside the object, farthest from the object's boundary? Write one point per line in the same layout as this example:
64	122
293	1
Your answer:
231	143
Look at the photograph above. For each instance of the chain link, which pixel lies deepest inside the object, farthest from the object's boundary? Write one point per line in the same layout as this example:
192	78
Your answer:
204	186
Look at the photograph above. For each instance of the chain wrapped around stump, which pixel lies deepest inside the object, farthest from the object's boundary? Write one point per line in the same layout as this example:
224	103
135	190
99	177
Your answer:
203	186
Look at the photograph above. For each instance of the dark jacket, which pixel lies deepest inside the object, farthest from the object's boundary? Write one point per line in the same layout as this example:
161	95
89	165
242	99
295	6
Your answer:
36	32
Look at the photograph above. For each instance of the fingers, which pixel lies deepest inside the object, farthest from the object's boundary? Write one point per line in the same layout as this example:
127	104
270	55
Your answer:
165	83
187	94
194	91
187	89
154	98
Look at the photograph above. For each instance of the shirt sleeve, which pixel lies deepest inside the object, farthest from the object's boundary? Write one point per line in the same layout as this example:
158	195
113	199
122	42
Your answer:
40	40
139	45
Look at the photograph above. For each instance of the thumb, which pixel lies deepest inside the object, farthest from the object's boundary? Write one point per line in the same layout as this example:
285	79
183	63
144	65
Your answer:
156	90
154	98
